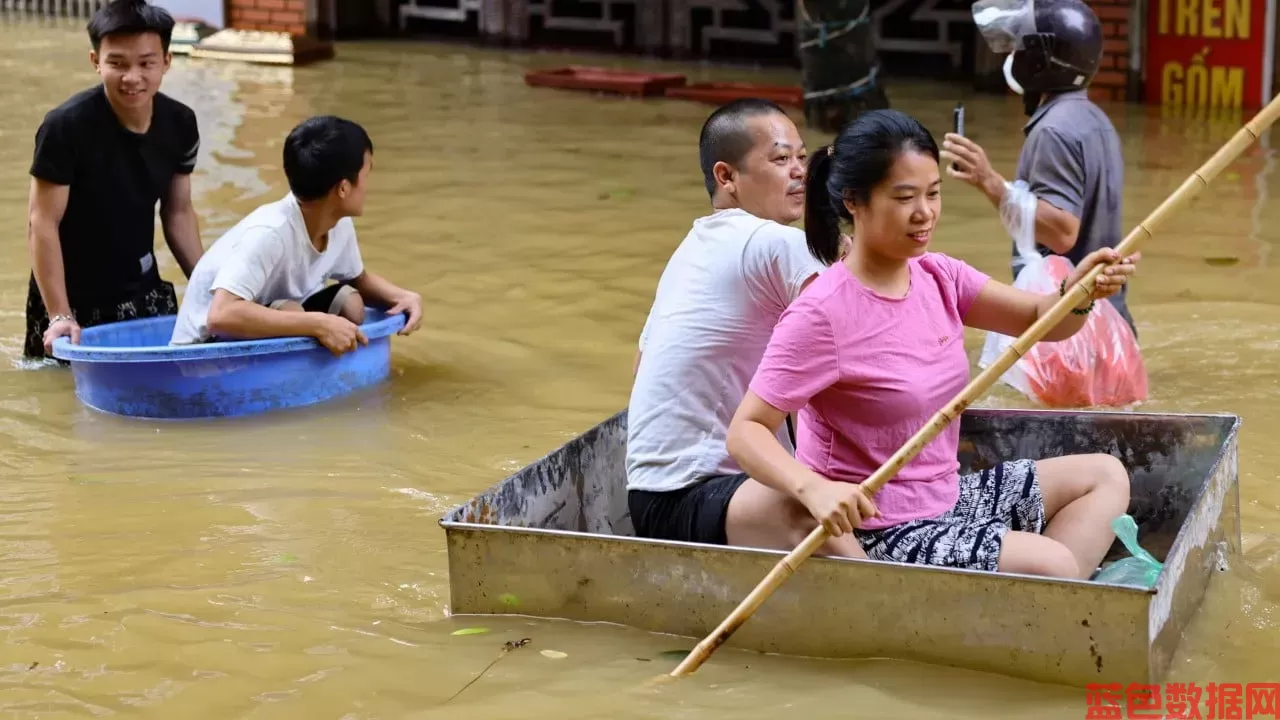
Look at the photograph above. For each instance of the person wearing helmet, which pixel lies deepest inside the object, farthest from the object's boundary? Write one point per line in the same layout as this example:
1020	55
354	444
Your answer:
1071	167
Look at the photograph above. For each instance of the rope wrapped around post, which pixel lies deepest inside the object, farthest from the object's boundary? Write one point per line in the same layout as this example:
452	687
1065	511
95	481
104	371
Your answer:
838	59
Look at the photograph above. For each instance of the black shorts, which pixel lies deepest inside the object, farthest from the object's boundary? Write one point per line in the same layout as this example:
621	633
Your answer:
693	514
154	298
329	300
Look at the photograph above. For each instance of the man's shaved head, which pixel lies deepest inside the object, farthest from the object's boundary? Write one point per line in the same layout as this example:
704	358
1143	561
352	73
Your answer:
754	159
726	135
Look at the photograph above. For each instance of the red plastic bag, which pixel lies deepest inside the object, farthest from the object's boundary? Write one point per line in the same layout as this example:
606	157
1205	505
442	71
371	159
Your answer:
1101	365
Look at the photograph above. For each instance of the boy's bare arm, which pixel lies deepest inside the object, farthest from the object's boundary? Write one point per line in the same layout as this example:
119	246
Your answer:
382	292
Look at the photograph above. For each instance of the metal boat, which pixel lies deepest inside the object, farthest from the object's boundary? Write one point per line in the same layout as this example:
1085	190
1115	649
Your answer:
555	540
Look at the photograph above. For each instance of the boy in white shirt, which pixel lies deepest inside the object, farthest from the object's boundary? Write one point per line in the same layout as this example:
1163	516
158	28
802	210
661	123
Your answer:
266	276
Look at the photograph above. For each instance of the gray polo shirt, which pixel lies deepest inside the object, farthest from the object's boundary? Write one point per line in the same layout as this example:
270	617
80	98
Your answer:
1072	160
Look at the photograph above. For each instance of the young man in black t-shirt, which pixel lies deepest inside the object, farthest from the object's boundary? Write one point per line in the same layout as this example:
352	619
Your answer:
103	159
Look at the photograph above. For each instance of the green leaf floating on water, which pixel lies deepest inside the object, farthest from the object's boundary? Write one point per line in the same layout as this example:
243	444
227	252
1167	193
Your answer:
470	631
1221	261
675	654
509	600
286	558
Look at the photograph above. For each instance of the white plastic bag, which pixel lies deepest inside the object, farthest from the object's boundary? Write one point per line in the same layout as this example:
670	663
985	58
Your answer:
1018	215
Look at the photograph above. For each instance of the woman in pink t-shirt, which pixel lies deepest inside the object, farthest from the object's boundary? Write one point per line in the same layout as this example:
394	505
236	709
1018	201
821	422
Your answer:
875	346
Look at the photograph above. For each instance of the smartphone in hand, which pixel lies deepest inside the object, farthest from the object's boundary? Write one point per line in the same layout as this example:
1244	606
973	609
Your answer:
958	123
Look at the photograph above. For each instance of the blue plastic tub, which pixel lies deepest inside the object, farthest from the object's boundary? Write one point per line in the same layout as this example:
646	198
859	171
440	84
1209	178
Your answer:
128	368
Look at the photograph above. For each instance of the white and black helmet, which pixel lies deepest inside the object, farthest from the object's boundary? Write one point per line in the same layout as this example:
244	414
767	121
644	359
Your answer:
1053	45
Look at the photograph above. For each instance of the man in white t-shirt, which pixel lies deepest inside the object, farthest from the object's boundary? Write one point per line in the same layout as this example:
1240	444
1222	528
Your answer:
266	276
717	302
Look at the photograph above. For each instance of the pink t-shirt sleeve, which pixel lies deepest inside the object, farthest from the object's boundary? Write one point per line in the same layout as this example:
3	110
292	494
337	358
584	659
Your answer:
801	360
968	281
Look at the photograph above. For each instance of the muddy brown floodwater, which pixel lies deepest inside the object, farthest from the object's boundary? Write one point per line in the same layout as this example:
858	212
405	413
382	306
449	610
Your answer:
290	566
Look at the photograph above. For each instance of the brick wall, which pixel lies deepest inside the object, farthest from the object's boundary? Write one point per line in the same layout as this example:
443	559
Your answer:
1112	79
274	15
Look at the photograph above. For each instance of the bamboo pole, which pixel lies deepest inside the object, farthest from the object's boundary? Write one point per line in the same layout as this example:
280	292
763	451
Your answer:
1077	294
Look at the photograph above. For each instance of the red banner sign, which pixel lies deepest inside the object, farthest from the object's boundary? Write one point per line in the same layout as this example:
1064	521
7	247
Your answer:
1209	53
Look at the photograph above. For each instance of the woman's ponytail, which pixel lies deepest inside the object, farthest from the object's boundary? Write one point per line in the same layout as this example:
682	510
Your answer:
821	224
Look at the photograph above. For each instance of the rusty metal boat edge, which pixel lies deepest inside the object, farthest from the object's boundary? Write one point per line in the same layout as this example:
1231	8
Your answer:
555	540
